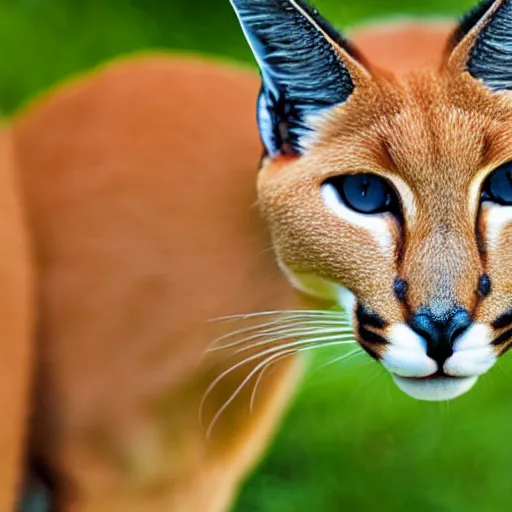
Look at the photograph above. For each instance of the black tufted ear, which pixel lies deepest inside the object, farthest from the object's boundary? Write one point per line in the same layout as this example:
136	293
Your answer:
305	68
487	29
469	21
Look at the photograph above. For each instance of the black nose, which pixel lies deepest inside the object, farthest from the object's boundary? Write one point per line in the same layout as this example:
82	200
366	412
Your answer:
440	329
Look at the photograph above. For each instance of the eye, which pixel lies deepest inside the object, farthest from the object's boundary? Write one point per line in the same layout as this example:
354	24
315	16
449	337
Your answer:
498	186
365	193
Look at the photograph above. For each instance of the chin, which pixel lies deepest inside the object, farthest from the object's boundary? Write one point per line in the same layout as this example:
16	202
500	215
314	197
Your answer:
435	389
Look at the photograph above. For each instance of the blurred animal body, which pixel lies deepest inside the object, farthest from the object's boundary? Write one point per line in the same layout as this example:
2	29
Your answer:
139	185
16	316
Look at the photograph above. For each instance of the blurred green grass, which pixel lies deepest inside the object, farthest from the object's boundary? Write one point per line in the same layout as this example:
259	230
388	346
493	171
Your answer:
351	441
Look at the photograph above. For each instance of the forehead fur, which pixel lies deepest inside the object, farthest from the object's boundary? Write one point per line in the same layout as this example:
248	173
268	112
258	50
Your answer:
425	125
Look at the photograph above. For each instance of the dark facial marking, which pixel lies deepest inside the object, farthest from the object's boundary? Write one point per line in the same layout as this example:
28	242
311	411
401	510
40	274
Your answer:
371	352
503	321
485	286
400	287
366	317
503	338
469	20
370	336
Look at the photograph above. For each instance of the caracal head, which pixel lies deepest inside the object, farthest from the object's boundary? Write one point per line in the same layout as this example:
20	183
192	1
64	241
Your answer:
393	195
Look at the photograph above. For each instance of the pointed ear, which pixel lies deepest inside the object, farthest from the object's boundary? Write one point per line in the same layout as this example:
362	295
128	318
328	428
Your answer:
306	68
482	44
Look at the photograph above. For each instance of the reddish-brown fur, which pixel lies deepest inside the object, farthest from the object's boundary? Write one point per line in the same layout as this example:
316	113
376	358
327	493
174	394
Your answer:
16	317
139	181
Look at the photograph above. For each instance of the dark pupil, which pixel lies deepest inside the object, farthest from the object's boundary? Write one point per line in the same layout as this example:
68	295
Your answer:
500	185
365	193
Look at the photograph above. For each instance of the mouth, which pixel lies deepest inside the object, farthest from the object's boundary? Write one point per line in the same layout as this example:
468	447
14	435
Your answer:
435	388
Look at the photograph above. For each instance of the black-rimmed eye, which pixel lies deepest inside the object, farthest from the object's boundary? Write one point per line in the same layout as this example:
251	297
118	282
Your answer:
498	186
365	193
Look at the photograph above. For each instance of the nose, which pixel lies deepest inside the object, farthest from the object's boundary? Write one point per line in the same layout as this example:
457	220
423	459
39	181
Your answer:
440	328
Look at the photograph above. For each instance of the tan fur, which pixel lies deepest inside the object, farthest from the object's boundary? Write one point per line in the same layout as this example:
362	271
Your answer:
16	316
140	186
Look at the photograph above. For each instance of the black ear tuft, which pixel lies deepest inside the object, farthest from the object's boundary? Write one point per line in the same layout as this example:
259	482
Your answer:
469	21
490	58
300	59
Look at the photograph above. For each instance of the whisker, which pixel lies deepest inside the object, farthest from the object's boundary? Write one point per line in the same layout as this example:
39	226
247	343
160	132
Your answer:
344	357
303	312
338	335
283	332
254	372
328	341
238	390
281	324
334	339
260	378
279	321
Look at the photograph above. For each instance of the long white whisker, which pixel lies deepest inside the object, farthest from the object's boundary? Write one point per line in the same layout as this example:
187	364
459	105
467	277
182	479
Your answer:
280	324
339	335
283	332
279	321
334	339
250	376
331	339
304	312
260	378
241	386
331	342
344	357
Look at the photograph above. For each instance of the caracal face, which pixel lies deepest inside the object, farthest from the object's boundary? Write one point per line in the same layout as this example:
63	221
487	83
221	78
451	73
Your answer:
393	195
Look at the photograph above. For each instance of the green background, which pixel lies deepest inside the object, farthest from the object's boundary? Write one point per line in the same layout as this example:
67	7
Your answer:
351	441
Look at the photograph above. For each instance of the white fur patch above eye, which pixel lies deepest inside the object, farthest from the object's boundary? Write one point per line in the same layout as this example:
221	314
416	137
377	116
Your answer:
375	225
496	218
